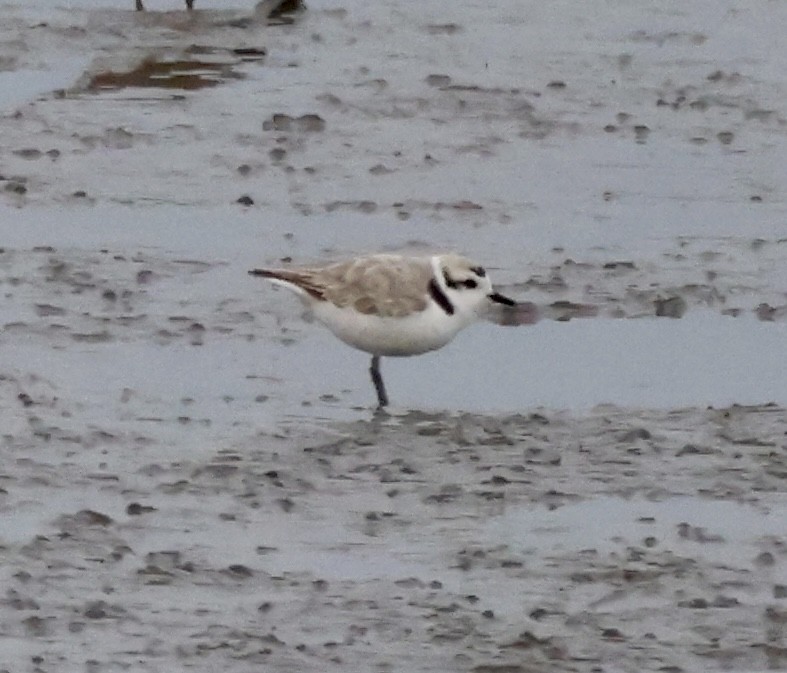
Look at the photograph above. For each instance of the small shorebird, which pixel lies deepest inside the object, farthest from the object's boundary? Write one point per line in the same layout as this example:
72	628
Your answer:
264	7
141	7
390	305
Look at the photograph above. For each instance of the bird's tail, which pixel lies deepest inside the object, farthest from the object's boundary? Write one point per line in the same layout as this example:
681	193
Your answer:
298	281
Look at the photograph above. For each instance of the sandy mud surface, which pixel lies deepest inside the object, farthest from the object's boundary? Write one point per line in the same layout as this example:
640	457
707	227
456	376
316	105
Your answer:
191	477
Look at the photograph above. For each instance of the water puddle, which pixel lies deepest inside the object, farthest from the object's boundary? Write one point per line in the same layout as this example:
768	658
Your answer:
197	68
721	531
20	86
702	359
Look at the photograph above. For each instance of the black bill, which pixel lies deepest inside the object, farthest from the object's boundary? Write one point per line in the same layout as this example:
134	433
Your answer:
500	299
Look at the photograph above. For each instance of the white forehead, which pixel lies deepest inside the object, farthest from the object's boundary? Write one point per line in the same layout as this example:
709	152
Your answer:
454	263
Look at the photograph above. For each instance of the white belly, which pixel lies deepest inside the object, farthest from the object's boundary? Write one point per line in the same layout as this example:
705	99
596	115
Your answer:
414	334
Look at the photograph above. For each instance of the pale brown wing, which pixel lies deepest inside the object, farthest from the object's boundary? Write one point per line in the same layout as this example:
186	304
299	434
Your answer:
302	278
382	285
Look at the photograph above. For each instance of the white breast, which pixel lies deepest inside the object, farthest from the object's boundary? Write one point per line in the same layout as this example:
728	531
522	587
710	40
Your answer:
417	333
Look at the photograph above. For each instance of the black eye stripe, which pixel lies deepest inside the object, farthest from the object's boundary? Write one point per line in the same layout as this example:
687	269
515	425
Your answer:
449	282
469	283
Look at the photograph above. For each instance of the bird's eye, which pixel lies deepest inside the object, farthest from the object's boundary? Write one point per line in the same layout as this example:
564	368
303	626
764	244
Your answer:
470	284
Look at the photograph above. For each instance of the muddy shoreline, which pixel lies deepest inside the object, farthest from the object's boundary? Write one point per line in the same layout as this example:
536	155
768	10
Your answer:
192	476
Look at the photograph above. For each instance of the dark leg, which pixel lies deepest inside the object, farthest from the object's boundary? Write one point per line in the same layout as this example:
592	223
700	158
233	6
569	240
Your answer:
377	379
140	6
190	4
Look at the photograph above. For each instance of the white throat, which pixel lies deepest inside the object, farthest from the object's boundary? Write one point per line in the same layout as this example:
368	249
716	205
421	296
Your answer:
437	272
463	303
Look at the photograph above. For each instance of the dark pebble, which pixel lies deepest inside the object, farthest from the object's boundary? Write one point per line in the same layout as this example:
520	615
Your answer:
96	610
286	504
16	188
240	570
144	276
765	559
136	509
671	307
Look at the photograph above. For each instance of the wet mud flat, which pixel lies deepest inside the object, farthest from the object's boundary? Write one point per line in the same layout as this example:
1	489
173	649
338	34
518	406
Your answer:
614	540
159	511
179	490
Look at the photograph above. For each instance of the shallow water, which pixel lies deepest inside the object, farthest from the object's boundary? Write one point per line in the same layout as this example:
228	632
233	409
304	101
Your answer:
719	531
193	477
701	360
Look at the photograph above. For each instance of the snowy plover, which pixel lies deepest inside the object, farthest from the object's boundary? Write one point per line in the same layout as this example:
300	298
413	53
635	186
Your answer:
141	7
263	7
393	305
